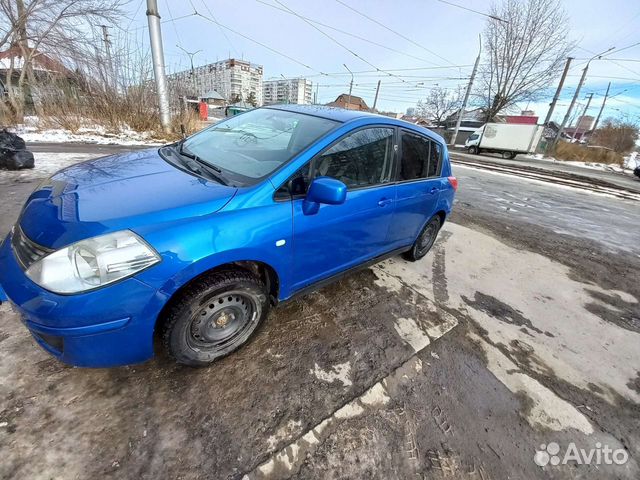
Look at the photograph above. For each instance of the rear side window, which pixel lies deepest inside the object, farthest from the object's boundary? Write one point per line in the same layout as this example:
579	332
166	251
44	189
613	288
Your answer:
361	159
420	158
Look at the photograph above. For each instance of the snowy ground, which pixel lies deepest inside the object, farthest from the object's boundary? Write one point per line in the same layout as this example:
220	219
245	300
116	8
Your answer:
46	165
31	131
630	163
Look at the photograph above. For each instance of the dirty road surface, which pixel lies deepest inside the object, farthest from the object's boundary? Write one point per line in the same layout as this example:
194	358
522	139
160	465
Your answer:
519	330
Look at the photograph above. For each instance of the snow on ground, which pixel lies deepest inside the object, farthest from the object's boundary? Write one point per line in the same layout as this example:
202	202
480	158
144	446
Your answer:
603	167
31	132
46	165
86	135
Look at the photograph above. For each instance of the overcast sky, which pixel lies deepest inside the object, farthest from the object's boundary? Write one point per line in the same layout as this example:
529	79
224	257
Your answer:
441	44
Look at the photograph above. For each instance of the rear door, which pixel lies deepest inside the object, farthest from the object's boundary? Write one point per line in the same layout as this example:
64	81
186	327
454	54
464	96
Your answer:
417	188
341	236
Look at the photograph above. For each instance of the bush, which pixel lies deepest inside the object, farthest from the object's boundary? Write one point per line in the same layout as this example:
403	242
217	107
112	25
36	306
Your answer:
582	153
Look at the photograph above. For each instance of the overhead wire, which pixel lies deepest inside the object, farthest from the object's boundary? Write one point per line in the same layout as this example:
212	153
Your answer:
337	42
393	31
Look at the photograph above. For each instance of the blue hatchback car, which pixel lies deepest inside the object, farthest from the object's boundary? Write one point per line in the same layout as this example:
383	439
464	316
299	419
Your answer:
192	243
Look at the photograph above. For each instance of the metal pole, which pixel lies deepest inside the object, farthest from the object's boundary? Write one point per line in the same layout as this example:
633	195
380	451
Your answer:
466	96
155	38
375	100
568	114
606	95
584	112
107	48
350	85
575	96
552	105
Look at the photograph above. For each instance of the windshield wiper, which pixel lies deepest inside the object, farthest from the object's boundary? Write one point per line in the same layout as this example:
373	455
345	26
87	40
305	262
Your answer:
213	170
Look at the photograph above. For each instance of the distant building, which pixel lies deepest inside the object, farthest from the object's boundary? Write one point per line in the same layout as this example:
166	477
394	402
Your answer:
287	90
213	98
411	111
350	102
528	113
585	123
53	78
233	79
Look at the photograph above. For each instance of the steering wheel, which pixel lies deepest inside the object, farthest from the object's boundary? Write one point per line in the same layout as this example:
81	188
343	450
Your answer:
246	139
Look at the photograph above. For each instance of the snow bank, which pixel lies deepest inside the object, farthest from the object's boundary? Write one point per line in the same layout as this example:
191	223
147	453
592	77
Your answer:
96	134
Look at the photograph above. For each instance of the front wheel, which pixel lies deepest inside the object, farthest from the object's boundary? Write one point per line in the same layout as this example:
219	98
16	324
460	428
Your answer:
425	240
214	316
473	150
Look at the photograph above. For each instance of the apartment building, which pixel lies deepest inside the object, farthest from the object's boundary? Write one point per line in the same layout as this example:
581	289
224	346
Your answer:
287	90
234	79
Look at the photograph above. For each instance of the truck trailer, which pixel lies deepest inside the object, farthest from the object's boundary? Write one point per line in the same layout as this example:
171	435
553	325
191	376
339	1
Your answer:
508	139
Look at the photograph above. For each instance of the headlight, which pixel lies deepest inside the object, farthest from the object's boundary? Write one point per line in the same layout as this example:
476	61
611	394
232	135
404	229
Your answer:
93	263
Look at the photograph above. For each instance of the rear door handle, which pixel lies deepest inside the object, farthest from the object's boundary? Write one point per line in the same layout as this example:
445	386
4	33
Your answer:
384	201
433	190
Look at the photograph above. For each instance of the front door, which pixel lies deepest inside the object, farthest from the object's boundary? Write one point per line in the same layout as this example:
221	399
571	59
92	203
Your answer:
338	237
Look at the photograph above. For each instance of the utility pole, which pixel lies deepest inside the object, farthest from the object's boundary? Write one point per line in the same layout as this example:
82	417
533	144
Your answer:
552	105
107	48
350	84
575	97
466	95
157	54
584	112
315	97
606	95
375	100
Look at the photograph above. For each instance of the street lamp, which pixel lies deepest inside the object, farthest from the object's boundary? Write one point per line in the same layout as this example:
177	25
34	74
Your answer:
350	84
193	72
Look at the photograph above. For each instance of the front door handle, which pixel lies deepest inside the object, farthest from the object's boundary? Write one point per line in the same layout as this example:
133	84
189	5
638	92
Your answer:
384	201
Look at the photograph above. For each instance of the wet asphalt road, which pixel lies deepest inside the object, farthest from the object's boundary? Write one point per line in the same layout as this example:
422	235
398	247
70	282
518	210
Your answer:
520	328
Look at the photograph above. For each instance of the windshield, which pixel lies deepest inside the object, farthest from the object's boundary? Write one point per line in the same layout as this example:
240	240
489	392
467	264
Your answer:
250	146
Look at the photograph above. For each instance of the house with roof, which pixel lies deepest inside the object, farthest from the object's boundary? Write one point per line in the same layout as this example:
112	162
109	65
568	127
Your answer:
52	76
350	102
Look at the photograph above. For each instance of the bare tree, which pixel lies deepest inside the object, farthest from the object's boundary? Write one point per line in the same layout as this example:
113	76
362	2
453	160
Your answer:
439	104
526	45
618	134
64	30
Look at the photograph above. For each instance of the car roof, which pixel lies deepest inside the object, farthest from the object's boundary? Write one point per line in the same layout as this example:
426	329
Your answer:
343	115
332	113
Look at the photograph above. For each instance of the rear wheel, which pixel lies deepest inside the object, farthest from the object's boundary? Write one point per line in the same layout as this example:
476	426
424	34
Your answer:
509	155
425	240
214	316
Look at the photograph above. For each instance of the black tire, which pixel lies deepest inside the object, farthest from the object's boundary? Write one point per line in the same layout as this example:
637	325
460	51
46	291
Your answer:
425	240
473	150
509	155
214	316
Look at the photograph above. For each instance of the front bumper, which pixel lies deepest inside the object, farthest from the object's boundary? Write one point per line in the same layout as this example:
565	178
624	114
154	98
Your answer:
106	327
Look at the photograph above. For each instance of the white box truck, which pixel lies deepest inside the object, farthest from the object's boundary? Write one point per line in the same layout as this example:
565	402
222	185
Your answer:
508	139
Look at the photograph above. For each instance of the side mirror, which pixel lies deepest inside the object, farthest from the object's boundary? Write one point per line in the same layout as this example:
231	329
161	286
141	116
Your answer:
325	190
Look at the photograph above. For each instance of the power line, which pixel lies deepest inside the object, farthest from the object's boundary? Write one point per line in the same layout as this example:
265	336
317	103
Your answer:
475	11
393	31
220	28
344	32
258	43
336	41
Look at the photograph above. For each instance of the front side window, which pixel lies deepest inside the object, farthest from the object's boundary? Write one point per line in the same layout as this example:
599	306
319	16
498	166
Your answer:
361	159
250	146
420	158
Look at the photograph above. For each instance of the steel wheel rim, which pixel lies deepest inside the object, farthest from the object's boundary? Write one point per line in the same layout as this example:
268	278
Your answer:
223	321
427	238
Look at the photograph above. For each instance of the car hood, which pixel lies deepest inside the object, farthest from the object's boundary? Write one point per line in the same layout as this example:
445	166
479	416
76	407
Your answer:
114	193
